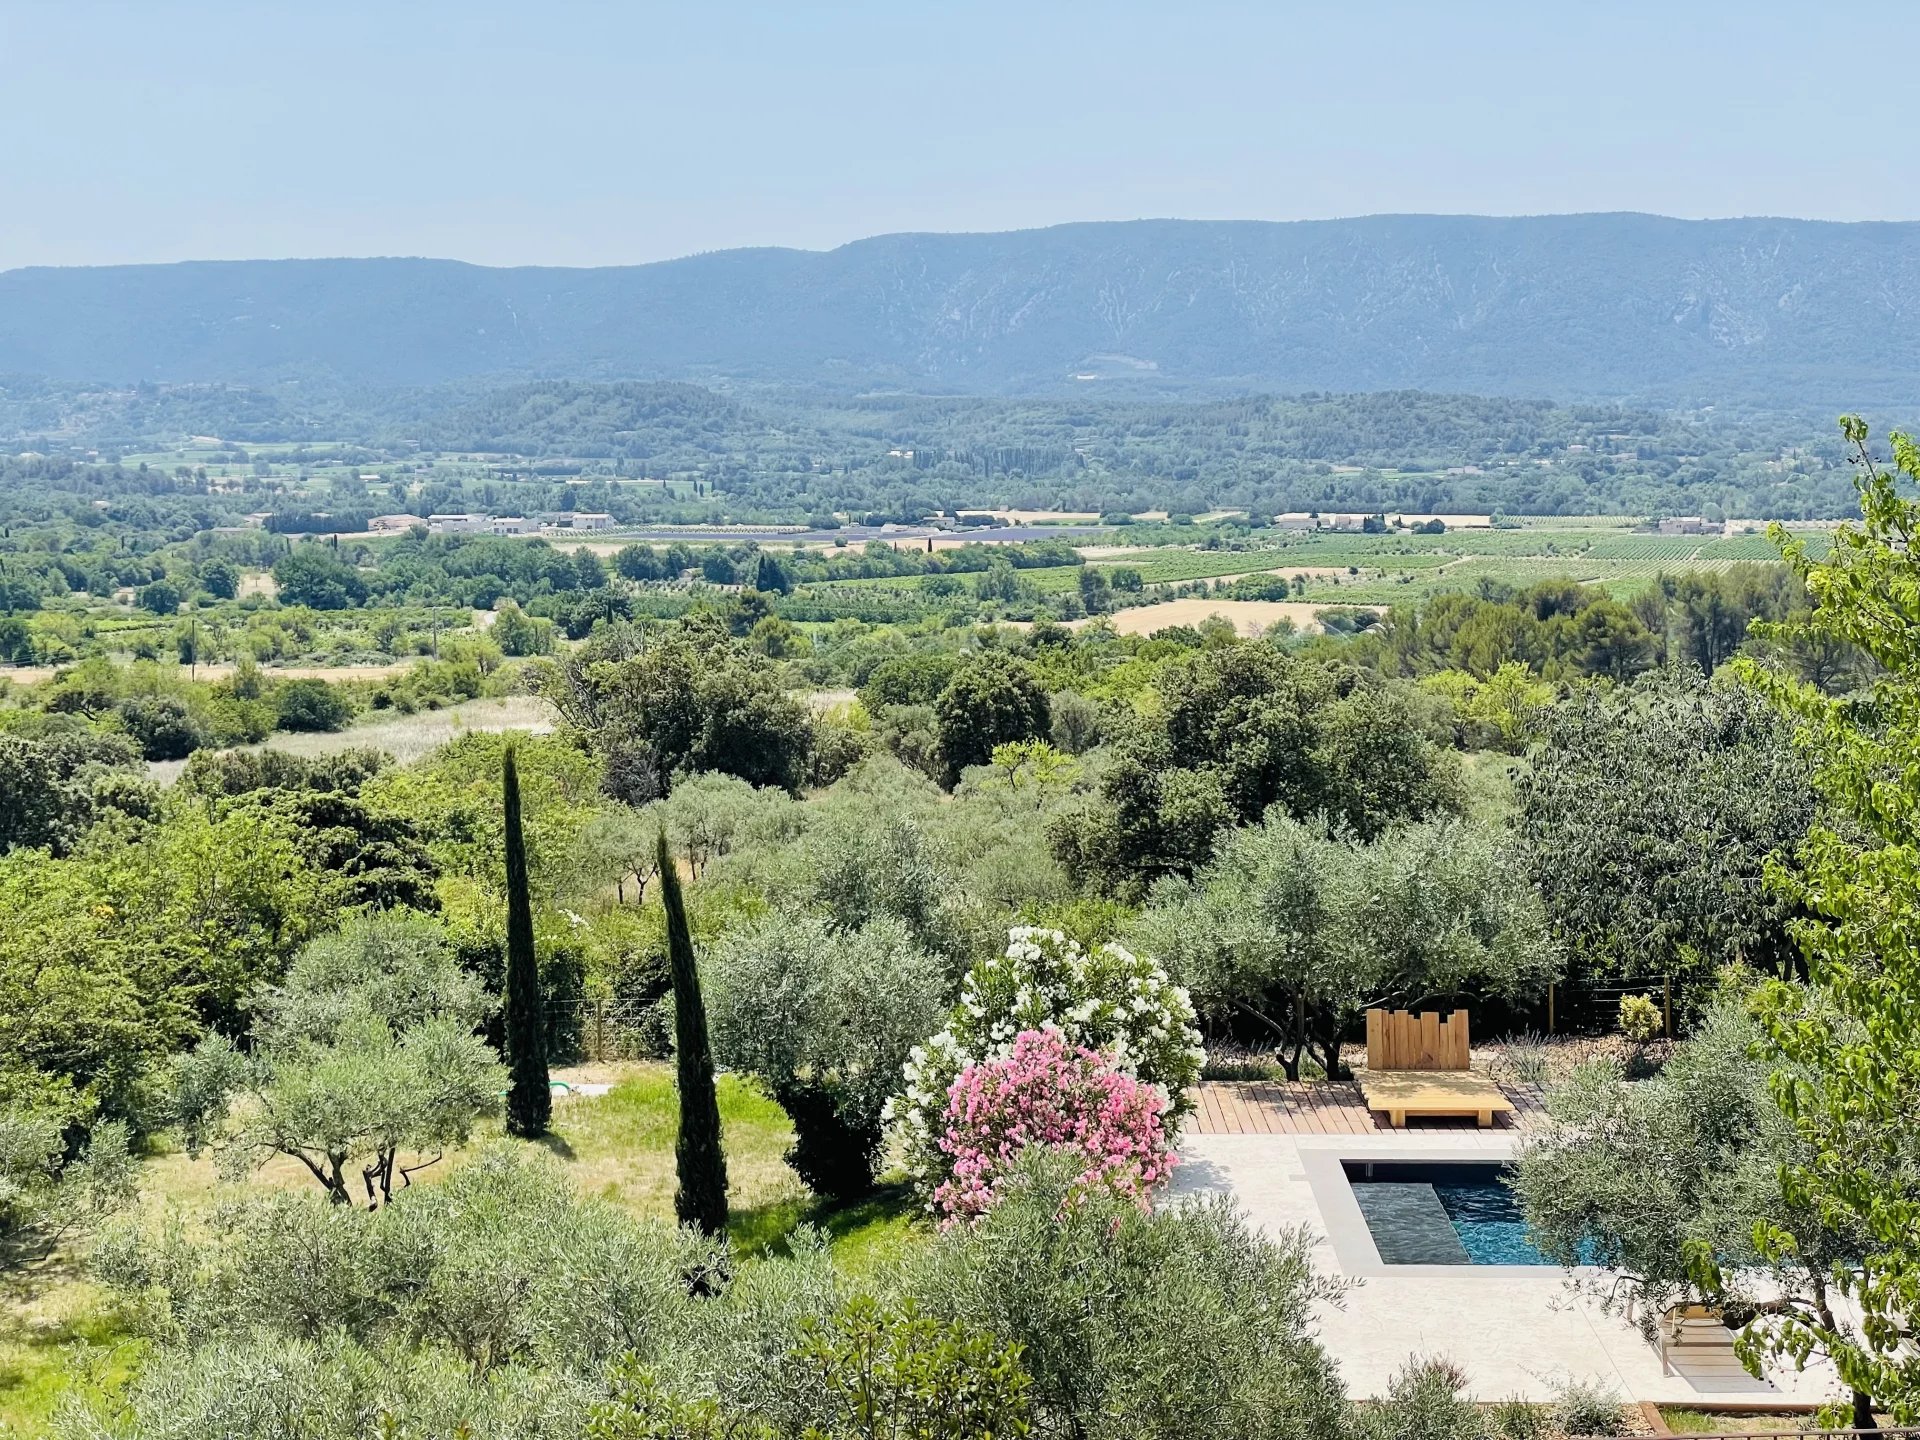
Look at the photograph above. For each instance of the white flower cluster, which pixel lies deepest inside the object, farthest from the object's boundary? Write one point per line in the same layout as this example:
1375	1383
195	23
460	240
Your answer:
1109	1000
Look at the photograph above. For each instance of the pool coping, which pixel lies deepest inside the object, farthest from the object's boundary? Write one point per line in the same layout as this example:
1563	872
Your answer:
1346	1228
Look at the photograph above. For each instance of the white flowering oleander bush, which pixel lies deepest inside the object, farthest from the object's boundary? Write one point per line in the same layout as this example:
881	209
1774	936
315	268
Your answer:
1107	999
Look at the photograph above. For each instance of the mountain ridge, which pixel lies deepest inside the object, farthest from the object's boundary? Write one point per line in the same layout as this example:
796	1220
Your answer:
1604	305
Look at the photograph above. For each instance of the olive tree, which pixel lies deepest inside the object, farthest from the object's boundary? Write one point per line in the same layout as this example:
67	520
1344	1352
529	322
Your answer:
1668	1183
365	1054
44	1195
825	1018
1184	1321
1298	928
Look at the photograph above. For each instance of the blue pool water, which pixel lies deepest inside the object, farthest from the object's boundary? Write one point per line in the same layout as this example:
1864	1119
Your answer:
1434	1214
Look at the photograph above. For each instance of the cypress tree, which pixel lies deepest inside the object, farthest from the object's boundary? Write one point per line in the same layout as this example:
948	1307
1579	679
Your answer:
529	1097
701	1198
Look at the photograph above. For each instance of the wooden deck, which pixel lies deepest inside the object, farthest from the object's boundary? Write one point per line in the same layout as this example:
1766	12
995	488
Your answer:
1260	1107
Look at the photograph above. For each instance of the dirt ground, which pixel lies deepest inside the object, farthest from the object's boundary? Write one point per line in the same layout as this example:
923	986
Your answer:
1249	617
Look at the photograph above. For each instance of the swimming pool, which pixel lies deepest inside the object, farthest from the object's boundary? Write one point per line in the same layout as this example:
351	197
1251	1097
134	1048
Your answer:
1431	1213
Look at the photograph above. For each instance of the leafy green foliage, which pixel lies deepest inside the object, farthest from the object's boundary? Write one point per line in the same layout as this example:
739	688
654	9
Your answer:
1647	822
1671	1182
44	1192
314	576
658	706
162	726
1425	1401
1640	1019
366	1050
310	704
825	1017
700	1163
53	788
529	1097
992	699
1240	729
1298	928
151	930
897	1374
1185	1322
1588	1407
1850	1065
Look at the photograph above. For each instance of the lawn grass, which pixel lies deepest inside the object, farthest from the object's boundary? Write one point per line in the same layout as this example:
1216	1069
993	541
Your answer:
56	1336
1682	1421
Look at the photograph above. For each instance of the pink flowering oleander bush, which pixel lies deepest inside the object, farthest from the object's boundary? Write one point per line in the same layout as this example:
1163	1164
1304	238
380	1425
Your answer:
1065	1098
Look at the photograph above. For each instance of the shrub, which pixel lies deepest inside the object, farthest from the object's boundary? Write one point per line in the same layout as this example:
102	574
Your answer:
1106	999
240	722
867	1372
1526	1060
1424	1403
895	1371
310	704
1519	1419
1640	1019
826	1020
1166	1325
1587	1407
501	1280
1061	1098
161	726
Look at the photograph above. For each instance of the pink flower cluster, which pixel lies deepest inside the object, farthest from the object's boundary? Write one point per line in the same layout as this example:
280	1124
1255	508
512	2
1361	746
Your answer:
1056	1095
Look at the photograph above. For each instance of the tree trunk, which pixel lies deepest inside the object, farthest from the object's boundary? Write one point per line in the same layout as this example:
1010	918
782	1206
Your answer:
1862	1402
1863	1411
1290	1062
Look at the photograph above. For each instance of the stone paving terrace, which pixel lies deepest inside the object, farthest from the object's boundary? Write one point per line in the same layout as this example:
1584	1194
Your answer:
1325	1107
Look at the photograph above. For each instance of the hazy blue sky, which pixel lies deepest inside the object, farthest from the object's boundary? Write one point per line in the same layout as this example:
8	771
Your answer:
547	131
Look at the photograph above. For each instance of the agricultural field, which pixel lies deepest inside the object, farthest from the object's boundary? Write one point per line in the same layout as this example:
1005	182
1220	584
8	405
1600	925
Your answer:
1385	569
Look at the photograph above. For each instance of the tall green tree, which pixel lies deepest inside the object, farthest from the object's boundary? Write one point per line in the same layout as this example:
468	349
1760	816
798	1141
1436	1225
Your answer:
1849	1077
699	1162
1647	822
992	698
529	1095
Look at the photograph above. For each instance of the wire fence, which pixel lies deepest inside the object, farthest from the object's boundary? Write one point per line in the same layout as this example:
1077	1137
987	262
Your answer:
1586	1007
594	1031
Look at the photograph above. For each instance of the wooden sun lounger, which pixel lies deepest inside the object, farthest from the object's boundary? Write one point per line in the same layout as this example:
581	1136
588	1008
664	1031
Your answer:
1700	1330
1433	1093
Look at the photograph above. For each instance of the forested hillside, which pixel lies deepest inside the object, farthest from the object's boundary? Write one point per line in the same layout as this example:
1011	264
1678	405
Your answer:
1569	306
